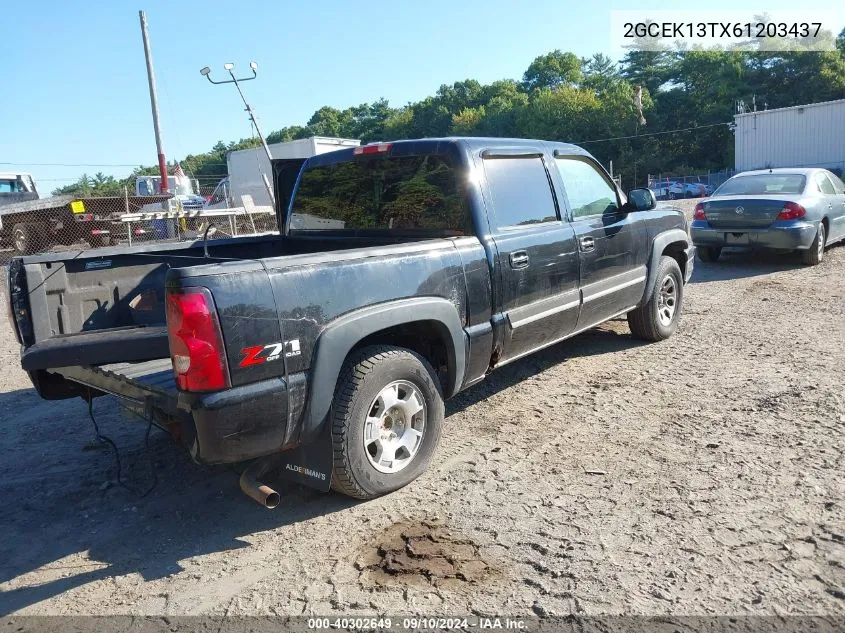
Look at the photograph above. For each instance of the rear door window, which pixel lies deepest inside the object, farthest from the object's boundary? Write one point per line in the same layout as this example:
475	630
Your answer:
825	184
520	190
837	183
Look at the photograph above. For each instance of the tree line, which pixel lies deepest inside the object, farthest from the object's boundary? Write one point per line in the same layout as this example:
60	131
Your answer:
688	99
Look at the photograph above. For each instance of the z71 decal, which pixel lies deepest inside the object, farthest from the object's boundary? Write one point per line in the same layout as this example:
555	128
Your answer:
256	355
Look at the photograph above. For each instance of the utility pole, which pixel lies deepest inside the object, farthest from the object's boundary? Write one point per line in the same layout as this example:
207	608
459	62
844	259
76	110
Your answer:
162	164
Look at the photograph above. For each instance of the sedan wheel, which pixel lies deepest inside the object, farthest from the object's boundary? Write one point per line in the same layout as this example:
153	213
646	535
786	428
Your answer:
814	255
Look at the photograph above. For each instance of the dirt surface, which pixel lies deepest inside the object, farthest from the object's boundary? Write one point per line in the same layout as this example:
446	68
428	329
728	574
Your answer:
701	475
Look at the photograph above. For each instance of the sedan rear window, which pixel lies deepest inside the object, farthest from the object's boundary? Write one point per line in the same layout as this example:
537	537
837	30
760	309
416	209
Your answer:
762	184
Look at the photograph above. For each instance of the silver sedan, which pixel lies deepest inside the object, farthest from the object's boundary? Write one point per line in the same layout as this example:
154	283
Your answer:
782	209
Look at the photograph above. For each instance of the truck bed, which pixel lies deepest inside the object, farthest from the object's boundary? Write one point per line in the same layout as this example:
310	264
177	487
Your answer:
92	309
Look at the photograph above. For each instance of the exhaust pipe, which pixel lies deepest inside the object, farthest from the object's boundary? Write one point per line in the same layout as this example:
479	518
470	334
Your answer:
254	489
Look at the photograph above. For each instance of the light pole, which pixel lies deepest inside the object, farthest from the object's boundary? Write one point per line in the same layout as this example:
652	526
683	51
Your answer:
206	72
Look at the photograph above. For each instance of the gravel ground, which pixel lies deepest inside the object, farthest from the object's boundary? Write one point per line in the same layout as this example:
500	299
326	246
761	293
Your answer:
701	475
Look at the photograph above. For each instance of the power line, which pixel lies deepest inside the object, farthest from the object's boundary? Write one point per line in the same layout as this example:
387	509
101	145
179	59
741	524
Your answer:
683	129
598	140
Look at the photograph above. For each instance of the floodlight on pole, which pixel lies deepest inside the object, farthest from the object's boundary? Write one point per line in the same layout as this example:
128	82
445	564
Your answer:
206	72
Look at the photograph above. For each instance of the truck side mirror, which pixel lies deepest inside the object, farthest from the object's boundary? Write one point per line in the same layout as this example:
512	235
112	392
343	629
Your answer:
641	200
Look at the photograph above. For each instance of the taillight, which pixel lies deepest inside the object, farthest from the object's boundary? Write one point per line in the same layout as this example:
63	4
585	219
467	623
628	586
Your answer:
699	212
791	211
196	341
376	148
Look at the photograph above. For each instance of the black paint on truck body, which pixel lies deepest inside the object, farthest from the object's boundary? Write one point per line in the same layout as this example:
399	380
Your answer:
470	300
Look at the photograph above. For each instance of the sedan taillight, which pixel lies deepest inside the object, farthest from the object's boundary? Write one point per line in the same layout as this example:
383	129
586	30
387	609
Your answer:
792	211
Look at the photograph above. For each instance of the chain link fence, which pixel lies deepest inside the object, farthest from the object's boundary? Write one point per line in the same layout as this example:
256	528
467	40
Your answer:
63	223
673	187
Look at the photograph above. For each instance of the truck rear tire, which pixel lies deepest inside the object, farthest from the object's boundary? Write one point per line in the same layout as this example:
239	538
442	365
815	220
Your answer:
387	418
657	318
25	238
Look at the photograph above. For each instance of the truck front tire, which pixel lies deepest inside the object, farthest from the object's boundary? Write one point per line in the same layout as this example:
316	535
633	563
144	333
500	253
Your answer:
387	418
657	318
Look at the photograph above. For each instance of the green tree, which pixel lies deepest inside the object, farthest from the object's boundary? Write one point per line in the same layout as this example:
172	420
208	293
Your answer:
553	70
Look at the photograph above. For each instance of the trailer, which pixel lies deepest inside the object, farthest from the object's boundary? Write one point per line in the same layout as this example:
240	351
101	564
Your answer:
38	225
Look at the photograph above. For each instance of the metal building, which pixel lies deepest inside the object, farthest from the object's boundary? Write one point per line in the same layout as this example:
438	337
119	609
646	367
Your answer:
811	135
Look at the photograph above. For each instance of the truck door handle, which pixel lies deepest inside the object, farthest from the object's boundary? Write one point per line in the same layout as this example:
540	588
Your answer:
587	244
518	259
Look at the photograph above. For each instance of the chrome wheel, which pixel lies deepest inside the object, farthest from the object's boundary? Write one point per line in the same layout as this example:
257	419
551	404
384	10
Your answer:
667	300
393	430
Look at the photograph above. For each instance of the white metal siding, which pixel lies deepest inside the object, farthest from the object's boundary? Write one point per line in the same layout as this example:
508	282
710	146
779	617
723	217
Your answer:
246	166
801	136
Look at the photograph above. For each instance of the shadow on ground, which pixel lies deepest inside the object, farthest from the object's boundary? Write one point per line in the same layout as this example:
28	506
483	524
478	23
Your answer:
736	263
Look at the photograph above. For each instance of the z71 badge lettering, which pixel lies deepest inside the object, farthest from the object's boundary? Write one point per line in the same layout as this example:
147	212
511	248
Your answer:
256	356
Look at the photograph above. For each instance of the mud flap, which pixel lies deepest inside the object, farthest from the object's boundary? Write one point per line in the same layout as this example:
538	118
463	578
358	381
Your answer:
310	464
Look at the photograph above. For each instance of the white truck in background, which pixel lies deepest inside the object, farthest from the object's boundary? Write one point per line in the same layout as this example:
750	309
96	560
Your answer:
248	167
182	188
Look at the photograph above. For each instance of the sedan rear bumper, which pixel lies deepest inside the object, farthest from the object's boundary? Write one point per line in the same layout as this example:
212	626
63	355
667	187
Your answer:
780	235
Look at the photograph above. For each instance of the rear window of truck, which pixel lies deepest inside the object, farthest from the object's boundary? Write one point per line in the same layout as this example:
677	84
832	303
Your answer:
405	194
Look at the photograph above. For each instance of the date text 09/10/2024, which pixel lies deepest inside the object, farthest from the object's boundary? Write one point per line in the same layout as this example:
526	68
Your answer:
417	624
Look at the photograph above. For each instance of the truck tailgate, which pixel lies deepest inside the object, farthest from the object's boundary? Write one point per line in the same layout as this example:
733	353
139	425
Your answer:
98	347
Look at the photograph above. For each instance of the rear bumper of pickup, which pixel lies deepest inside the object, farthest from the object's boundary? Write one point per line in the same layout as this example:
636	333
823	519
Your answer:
229	426
239	423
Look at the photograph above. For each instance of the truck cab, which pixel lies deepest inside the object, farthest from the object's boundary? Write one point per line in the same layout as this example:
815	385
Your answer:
16	187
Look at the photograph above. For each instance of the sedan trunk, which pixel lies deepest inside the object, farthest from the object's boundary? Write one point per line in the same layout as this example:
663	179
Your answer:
738	213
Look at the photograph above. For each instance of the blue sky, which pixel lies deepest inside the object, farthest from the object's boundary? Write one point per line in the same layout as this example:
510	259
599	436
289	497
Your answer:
75	87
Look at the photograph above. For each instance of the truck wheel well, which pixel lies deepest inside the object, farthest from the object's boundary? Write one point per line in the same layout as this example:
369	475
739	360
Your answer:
676	251
426	338
826	223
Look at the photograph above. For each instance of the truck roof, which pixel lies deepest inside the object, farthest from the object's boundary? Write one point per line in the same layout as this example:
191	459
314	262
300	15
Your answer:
472	142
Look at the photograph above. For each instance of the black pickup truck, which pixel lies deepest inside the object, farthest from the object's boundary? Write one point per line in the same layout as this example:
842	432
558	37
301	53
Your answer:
403	273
